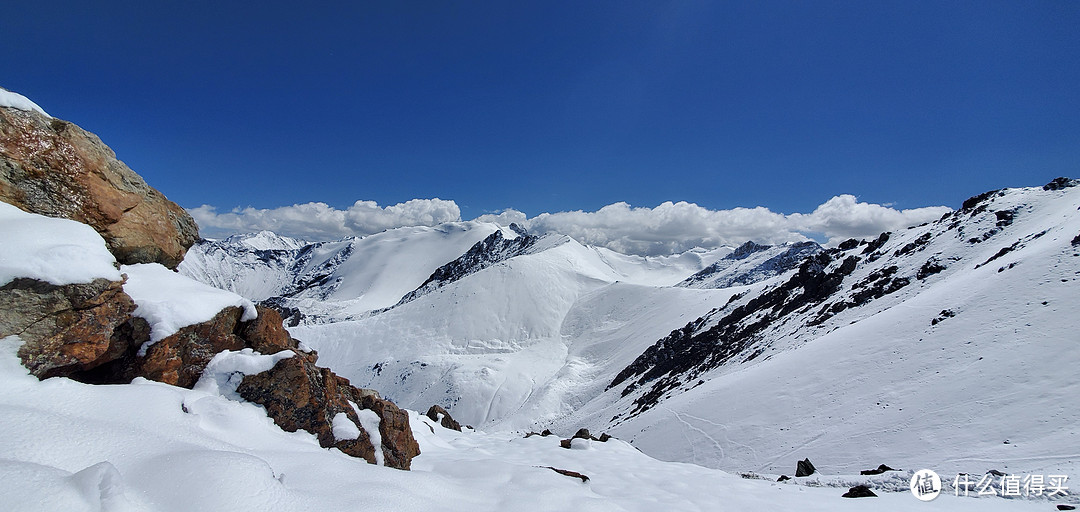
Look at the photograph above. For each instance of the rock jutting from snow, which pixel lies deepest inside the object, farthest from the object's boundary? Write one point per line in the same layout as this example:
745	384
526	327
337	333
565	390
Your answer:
54	168
859	491
437	414
804	468
68	328
301	396
880	469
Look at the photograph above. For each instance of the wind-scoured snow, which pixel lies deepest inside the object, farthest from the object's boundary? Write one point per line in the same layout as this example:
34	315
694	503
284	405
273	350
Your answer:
57	251
170	301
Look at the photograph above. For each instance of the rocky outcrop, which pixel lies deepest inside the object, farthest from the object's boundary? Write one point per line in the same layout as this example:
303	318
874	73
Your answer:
437	414
55	168
301	396
859	491
66	329
88	331
804	468
880	469
180	359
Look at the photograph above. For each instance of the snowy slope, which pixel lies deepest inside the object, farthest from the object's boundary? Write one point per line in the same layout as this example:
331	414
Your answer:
151	447
944	346
509	337
332	280
750	263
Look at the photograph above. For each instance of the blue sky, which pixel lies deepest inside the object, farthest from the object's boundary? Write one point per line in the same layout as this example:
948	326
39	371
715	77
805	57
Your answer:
558	106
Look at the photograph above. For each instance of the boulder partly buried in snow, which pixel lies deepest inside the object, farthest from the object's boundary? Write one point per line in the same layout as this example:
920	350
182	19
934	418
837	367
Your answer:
301	396
438	414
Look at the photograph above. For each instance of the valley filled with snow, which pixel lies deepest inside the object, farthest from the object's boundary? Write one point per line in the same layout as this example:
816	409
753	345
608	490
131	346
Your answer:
943	346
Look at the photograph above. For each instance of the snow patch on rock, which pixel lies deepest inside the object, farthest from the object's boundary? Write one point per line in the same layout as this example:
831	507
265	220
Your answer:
170	301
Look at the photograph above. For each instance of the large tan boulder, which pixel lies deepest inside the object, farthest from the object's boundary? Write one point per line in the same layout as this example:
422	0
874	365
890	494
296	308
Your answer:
54	168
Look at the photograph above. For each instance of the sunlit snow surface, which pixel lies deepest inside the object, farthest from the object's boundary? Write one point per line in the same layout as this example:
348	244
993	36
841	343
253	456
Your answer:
57	251
151	447
16	100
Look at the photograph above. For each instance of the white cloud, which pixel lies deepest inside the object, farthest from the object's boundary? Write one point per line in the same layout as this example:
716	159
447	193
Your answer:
319	221
665	229
844	217
676	227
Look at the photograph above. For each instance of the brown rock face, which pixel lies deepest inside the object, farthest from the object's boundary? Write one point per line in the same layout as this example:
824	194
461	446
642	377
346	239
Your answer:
267	335
301	396
55	168
181	358
66	329
436	412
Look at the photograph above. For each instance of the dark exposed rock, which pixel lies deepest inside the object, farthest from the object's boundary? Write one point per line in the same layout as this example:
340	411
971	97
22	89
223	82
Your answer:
1061	183
301	396
66	329
569	473
859	491
945	313
931	267
783	478
604	437
55	168
1066	507
972	202
804	468
565	443
1005	217
995	472
583	434
877	243
437	414
1076	241
849	244
917	245
546	433
880	469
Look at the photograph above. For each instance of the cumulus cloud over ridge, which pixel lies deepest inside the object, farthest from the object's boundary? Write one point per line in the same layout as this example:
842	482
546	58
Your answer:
665	229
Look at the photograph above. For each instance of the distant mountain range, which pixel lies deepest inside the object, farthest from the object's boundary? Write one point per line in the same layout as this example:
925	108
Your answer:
737	358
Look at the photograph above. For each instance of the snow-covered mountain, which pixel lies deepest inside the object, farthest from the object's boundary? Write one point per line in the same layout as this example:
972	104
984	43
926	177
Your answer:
874	351
331	280
943	344
352	278
750	263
